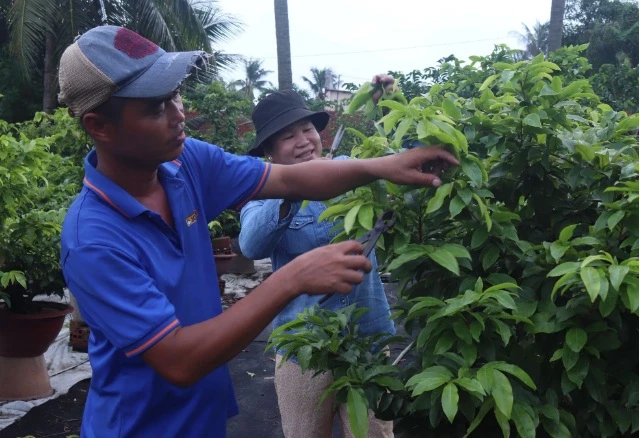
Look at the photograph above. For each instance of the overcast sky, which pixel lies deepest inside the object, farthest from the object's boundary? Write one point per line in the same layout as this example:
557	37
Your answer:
358	38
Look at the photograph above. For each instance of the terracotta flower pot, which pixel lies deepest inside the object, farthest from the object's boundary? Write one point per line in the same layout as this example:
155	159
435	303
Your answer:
29	335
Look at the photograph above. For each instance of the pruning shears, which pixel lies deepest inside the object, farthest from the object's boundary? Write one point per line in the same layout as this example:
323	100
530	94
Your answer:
336	141
369	239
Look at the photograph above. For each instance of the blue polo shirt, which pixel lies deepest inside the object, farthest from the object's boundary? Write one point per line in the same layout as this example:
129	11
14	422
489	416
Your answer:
136	280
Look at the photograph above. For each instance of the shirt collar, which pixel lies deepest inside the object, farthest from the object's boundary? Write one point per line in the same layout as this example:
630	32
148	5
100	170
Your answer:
112	193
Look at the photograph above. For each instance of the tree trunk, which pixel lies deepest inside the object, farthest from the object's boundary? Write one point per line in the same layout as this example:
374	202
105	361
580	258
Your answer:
555	25
49	84
285	81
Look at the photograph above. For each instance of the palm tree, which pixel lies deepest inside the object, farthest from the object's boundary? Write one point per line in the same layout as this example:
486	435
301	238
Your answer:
535	41
254	78
318	81
281	12
555	24
41	29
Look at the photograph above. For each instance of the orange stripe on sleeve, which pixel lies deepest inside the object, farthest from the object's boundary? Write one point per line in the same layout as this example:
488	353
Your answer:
259	187
175	323
105	197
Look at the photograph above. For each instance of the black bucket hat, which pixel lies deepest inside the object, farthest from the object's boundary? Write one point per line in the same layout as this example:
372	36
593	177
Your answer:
279	110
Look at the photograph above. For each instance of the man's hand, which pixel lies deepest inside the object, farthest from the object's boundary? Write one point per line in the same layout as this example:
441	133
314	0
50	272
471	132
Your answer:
418	166
331	268
386	81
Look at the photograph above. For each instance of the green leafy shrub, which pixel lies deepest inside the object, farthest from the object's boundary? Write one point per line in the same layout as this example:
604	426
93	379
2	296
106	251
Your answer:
517	277
36	187
220	114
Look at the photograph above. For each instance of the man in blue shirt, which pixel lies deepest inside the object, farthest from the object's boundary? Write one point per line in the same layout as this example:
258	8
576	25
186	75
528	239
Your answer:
135	247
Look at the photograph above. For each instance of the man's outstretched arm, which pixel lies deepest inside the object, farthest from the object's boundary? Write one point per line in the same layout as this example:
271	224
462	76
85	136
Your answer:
319	180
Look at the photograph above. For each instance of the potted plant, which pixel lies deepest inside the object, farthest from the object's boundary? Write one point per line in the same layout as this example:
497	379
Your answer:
31	213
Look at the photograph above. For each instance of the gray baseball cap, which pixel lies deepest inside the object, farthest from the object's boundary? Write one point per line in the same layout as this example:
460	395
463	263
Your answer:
111	61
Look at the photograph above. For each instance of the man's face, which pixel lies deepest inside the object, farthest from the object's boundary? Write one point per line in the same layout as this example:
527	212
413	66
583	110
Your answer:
297	143
150	131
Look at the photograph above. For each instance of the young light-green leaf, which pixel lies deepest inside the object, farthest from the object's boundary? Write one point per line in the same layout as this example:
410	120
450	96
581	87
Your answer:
350	218
564	268
532	120
617	274
591	280
358	412
450	399
365	216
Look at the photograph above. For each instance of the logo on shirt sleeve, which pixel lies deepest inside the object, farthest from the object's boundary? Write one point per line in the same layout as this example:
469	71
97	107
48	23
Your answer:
192	218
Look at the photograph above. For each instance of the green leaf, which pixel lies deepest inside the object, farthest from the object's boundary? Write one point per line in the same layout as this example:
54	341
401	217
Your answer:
350	218
585	151
576	339
392	383
532	120
429	384
491	254
502	393
475	328
617	274
579	372
591	279
451	109
488	82
484	409
614	219
470	385
405	258
304	357
503	422
471	169
450	401
569	357
458	251
567	233
564	268
444	344
524	423
514	371
479	236
558	249
358	412
365	216
455	206
445	259
333	210
438	199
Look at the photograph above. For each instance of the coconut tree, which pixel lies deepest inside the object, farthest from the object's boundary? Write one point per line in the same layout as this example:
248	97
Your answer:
534	40
555	24
253	78
41	29
318	81
281	12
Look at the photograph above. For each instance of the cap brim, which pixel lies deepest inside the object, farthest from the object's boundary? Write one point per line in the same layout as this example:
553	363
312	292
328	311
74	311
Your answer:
319	120
164	75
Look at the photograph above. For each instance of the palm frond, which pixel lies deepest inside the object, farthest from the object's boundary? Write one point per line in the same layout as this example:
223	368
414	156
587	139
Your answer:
29	21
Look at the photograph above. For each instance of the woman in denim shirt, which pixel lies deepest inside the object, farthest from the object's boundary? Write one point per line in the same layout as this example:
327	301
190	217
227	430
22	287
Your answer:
288	133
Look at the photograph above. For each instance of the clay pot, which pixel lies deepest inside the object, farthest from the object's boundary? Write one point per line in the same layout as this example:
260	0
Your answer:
29	335
23	340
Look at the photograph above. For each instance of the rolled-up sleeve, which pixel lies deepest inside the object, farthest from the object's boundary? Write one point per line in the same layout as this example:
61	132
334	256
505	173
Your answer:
261	227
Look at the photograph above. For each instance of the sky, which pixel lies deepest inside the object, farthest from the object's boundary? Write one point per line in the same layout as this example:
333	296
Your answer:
359	38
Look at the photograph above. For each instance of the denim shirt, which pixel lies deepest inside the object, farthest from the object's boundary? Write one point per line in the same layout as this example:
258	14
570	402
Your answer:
263	235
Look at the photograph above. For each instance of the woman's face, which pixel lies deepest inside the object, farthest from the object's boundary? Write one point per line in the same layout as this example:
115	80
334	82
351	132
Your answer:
297	143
